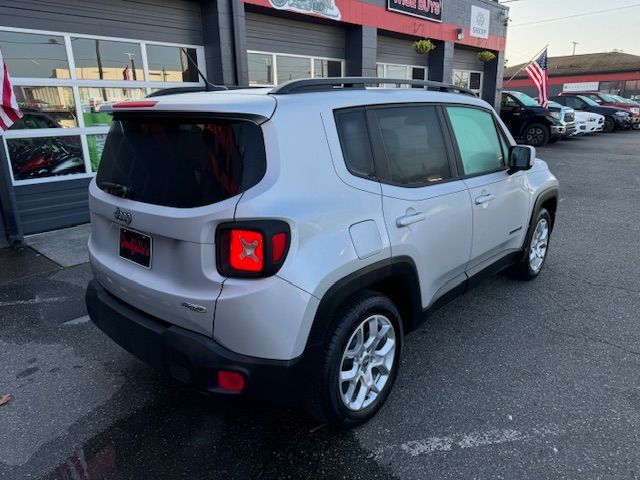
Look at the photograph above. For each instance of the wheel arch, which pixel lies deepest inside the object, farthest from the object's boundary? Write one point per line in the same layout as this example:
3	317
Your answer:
548	199
396	278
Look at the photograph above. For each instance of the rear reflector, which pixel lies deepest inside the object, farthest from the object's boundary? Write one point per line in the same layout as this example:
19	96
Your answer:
278	246
246	251
142	104
232	381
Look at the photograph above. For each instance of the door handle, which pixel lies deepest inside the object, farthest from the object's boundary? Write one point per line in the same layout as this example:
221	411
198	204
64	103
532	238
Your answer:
486	198
410	219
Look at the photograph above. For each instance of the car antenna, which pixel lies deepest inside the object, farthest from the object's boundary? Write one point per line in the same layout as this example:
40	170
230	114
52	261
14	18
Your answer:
208	86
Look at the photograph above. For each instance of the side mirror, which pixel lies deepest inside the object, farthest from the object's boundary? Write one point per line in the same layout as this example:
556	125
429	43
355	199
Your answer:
521	157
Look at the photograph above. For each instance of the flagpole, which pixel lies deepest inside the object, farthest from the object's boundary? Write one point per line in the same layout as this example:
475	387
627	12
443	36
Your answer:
526	64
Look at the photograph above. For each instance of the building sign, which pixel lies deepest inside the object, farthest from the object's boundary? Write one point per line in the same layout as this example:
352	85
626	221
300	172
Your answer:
581	87
323	8
480	20
427	9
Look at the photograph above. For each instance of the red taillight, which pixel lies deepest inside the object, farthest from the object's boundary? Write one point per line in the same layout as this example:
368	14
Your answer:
231	381
142	104
278	246
247	252
252	248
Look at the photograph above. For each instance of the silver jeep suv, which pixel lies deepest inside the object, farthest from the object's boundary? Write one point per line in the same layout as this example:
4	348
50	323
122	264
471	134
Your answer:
281	242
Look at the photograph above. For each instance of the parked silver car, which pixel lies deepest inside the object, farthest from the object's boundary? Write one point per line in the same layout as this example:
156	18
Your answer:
282	241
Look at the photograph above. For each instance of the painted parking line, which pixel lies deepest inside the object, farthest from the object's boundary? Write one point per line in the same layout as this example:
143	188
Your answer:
77	321
32	301
447	443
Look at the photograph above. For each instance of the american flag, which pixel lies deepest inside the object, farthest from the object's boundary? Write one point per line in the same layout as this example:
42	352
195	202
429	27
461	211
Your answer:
538	72
9	110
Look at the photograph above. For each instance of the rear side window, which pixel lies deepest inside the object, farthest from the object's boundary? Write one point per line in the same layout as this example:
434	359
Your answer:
181	162
414	144
354	139
477	138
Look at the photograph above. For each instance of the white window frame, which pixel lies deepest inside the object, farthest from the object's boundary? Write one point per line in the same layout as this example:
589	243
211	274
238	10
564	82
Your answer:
385	65
274	62
477	91
75	84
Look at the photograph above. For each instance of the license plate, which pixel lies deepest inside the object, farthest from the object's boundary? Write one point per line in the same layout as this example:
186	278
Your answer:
135	247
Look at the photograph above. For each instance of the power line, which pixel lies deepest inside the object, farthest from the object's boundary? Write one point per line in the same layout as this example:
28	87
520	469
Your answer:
575	16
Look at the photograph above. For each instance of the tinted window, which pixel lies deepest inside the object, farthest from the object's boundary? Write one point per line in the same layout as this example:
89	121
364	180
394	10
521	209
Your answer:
181	162
327	68
45	107
293	68
354	139
260	69
477	139
31	55
414	145
573	102
171	64
105	60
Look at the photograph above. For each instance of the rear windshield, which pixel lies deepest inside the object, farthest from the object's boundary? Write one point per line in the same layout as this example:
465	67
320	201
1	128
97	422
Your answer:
181	162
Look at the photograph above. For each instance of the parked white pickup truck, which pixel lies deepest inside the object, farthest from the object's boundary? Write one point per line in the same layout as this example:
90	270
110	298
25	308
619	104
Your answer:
587	122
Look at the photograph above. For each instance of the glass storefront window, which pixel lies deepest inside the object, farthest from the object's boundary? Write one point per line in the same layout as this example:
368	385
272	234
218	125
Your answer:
34	55
327	68
468	79
403	72
45	107
292	68
106	60
92	98
260	69
45	156
171	64
96	145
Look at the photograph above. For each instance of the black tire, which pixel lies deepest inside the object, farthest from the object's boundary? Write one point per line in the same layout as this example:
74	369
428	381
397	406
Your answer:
536	135
525	269
323	399
609	125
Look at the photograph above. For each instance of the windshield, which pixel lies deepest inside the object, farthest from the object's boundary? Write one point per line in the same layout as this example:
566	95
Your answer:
526	100
588	101
609	98
554	104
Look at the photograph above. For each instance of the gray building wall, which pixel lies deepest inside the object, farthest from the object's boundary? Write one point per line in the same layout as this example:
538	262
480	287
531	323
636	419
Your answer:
285	35
155	20
399	50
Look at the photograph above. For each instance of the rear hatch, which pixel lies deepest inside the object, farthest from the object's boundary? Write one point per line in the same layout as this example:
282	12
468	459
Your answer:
169	174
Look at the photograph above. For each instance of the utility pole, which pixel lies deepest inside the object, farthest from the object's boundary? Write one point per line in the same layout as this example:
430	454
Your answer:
574	47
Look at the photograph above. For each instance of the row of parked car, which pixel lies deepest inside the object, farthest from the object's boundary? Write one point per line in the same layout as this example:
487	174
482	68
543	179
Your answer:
568	114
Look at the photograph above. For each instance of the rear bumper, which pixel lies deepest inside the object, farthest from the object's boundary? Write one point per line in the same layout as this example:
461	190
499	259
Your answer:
187	356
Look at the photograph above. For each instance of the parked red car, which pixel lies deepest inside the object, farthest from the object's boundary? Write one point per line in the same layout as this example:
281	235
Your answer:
607	100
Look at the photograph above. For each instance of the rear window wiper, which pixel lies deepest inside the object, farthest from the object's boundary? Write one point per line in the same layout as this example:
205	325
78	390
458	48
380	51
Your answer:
116	189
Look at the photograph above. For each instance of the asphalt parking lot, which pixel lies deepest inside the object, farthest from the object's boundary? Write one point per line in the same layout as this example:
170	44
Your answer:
514	380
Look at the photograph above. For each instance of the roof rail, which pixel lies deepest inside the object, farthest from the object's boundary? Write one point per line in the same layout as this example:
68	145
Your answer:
334	83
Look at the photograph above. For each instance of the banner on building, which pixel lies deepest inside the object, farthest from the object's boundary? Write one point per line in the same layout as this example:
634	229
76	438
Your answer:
581	87
427	9
480	20
323	8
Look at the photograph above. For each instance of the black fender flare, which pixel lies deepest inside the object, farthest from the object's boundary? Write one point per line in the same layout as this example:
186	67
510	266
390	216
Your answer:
401	270
547	194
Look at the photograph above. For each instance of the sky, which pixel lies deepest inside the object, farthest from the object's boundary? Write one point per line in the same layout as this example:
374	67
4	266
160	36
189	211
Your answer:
615	27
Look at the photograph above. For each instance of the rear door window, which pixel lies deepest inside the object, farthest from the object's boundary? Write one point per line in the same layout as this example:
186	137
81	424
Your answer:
181	162
414	144
354	139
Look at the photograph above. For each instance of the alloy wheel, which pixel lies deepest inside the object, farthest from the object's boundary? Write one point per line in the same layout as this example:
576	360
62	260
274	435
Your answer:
367	362
539	243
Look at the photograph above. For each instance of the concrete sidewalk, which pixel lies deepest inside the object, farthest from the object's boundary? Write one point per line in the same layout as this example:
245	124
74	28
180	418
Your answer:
45	252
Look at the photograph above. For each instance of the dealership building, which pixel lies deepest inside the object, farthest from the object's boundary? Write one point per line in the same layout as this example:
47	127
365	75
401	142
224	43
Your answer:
68	57
611	72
